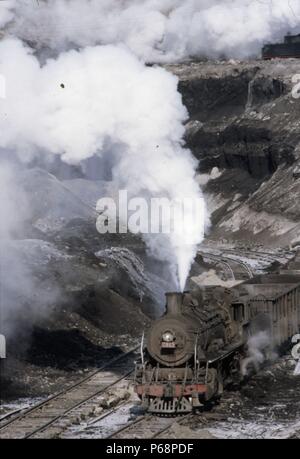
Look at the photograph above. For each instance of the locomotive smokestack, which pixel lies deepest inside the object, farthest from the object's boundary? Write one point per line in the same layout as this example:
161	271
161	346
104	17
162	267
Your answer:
174	302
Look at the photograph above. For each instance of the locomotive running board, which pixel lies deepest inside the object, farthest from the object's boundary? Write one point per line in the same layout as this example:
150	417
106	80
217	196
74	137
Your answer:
223	355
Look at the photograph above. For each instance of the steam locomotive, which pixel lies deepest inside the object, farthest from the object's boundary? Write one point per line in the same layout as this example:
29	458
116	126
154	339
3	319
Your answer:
199	345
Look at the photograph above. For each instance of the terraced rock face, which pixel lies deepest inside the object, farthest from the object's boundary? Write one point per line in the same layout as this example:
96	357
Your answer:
245	121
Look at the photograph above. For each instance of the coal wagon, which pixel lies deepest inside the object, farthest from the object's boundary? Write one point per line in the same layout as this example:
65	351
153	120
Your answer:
290	48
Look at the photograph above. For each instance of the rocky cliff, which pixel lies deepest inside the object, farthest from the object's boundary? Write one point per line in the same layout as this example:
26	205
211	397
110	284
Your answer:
245	121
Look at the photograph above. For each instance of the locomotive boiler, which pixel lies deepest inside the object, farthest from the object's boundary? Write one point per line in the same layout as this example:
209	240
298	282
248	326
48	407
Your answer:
188	353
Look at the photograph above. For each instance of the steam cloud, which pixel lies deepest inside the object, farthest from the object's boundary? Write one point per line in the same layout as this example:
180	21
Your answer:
103	100
21	289
156	30
257	346
96	97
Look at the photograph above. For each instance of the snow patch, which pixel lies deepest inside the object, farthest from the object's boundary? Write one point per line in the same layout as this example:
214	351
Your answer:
203	179
215	202
211	278
247	219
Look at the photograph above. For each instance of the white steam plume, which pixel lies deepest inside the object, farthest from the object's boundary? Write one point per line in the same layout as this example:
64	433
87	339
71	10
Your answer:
258	345
13	204
110	102
6	12
103	100
157	30
23	293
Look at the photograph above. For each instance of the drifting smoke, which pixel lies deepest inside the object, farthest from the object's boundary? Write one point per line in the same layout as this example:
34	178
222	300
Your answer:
257	346
23	295
157	30
6	13
13	210
14	206
103	100
98	98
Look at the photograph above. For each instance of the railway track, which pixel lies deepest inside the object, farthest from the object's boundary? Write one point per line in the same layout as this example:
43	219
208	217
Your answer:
263	258
118	424
147	427
10	415
234	268
218	261
243	271
50	417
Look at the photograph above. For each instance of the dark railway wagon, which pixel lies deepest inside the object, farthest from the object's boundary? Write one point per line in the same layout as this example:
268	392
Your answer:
271	303
289	49
199	346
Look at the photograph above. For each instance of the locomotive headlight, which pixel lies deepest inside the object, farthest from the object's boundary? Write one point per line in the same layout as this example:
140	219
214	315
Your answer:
168	337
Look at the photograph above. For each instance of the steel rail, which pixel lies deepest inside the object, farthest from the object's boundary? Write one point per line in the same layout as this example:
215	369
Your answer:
67	390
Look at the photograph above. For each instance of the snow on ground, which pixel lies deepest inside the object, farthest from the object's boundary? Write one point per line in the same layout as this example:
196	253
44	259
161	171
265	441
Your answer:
8	408
203	179
215	202
258	260
256	222
211	278
104	426
233	429
36	251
